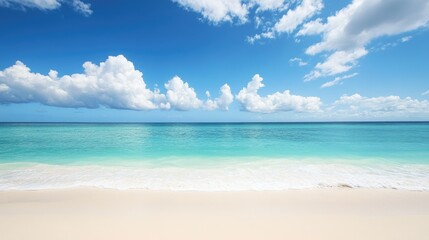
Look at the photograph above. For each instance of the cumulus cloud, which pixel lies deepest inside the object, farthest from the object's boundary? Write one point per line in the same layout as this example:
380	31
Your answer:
338	80
251	101
347	33
78	5
180	96
114	83
357	105
222	102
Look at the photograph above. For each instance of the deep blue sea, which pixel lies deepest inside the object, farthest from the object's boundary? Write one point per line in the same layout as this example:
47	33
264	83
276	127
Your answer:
214	156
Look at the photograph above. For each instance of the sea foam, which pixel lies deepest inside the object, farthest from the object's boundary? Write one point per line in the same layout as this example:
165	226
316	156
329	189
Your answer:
256	175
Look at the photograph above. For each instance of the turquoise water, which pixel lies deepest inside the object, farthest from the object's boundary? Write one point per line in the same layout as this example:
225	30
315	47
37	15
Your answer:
395	154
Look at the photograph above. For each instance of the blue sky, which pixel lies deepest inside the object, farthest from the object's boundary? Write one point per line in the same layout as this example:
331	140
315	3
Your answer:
155	60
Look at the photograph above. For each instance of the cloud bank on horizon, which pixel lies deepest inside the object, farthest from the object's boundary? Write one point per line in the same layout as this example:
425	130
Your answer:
251	101
115	83
344	35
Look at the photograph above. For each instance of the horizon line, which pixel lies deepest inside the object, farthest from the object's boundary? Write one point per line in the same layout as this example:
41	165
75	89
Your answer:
207	122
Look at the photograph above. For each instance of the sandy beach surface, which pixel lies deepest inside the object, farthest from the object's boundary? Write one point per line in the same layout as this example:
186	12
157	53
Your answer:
139	214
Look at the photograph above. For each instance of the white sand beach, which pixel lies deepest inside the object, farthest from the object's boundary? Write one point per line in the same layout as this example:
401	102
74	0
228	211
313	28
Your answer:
337	213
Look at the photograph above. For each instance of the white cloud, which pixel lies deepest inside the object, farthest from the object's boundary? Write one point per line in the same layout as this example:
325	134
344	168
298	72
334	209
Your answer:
364	20
84	8
338	80
392	44
357	105
336	63
78	5
355	26
257	37
222	102
406	38
291	20
180	96
40	4
294	17
251	101
264	5
311	28
217	11
300	62
425	93
114	83
345	35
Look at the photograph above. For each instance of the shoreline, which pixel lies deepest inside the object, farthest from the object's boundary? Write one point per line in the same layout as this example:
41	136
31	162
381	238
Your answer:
264	175
94	213
340	187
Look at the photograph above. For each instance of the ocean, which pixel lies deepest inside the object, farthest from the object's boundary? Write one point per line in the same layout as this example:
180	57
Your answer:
214	156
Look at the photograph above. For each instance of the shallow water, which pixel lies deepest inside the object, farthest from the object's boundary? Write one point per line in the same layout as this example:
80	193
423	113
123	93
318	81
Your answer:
268	156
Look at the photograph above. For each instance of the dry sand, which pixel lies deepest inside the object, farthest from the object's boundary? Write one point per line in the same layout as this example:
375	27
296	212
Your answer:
138	214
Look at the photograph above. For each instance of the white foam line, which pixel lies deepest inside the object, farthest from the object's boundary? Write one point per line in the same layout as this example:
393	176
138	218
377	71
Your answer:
259	176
